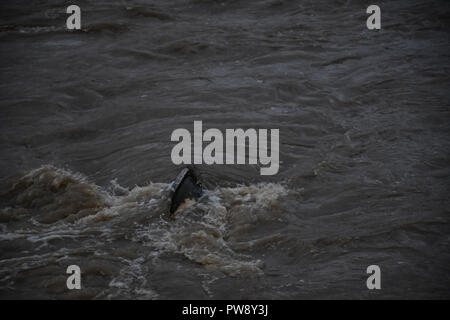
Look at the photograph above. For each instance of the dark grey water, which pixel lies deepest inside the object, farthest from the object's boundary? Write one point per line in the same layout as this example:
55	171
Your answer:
86	119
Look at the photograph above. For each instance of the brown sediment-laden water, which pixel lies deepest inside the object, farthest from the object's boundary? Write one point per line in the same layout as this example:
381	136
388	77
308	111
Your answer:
85	151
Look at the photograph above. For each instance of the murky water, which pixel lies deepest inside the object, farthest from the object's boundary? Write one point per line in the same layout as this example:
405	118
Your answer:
85	167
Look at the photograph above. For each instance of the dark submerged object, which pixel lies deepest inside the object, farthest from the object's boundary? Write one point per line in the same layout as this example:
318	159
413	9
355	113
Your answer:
186	186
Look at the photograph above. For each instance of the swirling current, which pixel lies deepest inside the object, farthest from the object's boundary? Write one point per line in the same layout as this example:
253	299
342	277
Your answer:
85	167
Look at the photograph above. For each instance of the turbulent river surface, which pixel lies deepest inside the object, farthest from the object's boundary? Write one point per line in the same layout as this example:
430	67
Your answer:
85	168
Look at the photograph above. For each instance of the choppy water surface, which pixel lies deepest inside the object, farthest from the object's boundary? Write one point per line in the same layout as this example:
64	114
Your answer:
85	164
